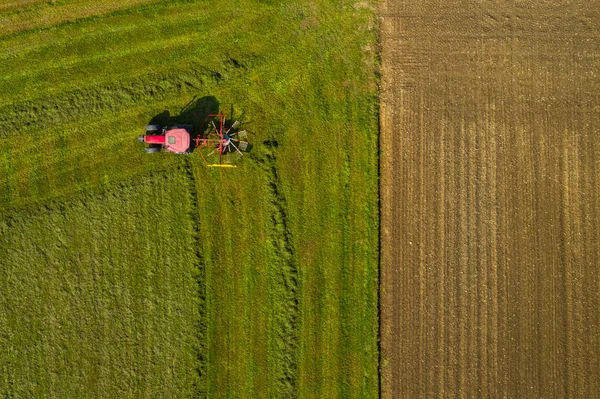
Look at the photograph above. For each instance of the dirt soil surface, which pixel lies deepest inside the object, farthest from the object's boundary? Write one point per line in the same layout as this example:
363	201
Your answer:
490	187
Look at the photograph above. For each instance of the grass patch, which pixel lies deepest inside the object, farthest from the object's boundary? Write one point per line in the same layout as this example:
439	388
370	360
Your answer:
100	295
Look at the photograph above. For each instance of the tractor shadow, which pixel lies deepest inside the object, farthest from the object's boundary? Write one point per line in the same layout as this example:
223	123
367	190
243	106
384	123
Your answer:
193	114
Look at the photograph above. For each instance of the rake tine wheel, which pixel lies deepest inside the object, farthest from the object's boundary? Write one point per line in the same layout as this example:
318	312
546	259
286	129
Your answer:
232	127
218	138
237	149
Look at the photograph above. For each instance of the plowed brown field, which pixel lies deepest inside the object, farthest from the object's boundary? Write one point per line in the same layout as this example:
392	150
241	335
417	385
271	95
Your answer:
490	189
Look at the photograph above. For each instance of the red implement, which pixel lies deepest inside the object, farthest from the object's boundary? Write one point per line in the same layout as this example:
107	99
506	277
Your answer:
154	139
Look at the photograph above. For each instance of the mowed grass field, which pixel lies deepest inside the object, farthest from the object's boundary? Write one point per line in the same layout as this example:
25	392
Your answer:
490	204
90	305
125	274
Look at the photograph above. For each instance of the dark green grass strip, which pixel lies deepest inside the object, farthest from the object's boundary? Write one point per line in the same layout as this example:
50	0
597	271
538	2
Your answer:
285	291
197	242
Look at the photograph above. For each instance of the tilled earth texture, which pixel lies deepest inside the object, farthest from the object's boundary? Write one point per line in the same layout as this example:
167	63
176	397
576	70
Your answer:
490	199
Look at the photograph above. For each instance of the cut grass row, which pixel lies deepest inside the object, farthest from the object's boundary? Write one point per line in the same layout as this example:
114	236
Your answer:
167	37
28	15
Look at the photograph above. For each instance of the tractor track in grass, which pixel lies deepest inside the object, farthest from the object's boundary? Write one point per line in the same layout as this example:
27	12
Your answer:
201	274
285	292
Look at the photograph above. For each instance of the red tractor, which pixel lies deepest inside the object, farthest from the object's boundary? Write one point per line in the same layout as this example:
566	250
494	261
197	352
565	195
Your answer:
214	140
174	139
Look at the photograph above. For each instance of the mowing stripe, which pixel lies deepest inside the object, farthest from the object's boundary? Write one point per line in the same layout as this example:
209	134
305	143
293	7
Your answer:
49	16
80	104
197	239
286	291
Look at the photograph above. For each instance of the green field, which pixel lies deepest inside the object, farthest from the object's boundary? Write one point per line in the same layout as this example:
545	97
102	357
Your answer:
124	274
90	305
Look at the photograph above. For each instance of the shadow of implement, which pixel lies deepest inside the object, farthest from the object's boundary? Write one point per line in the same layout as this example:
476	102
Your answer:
192	114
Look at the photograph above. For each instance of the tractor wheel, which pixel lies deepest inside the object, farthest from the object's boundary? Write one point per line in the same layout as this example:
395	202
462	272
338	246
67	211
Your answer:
152	150
152	128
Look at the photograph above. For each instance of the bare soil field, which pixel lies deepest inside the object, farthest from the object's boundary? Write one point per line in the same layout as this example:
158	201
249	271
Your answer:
490	194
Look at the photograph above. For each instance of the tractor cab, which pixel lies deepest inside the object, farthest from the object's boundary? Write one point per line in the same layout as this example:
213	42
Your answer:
170	138
177	140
